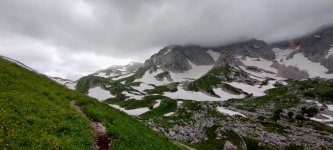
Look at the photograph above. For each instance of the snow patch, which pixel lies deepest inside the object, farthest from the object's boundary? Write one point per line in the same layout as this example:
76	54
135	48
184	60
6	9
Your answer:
149	78
133	112
317	103
142	87
256	90
329	118
190	95
158	103
169	114
71	85
137	96
330	107
122	76
229	112
215	55
99	93
260	63
302	63
167	52
330	53
225	95
196	72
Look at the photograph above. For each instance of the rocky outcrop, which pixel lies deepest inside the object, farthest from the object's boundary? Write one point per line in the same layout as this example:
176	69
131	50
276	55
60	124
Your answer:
289	72
229	146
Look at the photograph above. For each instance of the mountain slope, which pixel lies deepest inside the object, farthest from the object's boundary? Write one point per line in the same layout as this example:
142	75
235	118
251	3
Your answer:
35	114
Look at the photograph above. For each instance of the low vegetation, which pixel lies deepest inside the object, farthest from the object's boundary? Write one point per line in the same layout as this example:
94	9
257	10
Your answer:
35	114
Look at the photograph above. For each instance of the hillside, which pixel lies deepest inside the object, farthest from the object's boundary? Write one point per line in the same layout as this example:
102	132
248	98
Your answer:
35	113
252	94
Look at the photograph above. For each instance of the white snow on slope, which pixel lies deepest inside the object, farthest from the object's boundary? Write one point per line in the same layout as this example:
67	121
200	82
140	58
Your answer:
137	96
330	107
225	95
167	52
133	112
255	90
262	75
122	76
196	72
281	55
329	118
104	75
99	93
260	63
330	53
229	112
158	103
199	96
317	103
301	62
169	114
71	85
215	55
149	78
142	87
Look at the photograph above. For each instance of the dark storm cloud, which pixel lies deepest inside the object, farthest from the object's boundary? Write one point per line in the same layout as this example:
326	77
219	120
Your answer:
130	29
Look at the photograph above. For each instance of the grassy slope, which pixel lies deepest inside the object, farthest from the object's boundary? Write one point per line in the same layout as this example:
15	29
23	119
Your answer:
35	114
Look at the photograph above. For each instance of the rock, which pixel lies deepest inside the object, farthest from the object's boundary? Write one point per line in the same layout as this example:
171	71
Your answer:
229	146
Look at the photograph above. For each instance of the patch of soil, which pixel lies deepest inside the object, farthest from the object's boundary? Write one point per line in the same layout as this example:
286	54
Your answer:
102	140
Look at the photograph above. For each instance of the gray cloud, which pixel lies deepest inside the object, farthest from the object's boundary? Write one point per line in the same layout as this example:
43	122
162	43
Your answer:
126	30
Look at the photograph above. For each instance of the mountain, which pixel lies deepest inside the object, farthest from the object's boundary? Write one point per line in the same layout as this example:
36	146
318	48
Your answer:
250	94
38	113
118	72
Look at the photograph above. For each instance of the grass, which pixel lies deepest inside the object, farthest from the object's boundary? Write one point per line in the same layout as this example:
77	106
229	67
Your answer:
166	106
160	90
35	114
212	80
315	89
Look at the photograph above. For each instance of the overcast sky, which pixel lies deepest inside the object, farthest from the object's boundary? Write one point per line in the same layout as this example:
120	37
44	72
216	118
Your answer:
71	38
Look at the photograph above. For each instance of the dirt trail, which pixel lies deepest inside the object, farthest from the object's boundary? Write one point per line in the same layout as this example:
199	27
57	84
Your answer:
102	140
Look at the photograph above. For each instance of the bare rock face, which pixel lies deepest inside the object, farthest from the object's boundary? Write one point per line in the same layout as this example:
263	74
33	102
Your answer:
229	146
178	58
314	46
290	72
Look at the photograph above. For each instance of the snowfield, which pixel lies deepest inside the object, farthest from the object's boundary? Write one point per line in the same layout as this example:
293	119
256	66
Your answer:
330	53
199	96
329	118
137	96
215	55
330	107
229	112
99	93
133	112
71	85
122	76
255	90
302	63
142	87
260	63
196	72
149	78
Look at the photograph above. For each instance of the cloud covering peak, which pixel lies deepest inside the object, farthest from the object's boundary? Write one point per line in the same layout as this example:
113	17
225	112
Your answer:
60	36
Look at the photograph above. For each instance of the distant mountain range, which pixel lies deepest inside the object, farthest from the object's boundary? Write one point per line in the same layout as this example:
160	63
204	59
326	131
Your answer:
247	95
